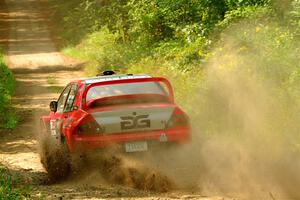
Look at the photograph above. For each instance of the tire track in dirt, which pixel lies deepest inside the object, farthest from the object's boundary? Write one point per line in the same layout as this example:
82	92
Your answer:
33	58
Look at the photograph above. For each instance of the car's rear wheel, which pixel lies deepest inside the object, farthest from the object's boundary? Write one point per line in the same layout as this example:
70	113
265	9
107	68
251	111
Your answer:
55	158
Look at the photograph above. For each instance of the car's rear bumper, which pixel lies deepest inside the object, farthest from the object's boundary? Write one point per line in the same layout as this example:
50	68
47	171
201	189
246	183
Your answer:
92	142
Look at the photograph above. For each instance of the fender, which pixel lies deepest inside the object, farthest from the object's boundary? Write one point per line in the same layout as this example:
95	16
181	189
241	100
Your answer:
45	122
78	117
45	125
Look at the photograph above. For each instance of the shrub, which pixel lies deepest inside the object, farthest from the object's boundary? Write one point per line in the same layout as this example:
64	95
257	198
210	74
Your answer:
7	88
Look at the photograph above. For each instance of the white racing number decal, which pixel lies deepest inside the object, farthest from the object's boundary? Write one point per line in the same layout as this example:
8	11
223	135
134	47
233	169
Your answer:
53	127
135	121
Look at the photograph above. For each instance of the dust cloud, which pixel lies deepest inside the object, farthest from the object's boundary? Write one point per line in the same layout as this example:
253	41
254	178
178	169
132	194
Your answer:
113	167
104	167
246	121
129	172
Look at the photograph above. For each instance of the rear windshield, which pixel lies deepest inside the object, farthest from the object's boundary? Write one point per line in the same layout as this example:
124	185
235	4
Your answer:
125	89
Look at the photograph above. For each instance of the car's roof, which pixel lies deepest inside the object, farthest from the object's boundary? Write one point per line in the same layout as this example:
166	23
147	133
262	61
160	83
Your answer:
97	79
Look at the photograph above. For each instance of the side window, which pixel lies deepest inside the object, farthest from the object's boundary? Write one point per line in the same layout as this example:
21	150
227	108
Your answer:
62	99
71	98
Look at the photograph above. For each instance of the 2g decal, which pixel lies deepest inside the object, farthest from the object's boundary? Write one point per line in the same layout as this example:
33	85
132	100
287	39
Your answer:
135	121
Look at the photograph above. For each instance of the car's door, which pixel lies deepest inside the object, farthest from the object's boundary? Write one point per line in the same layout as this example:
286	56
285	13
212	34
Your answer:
56	117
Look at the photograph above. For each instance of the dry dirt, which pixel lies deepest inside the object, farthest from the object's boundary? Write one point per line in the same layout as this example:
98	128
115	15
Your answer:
34	60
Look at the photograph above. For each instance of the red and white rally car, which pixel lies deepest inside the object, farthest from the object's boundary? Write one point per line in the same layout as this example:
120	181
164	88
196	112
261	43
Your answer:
136	112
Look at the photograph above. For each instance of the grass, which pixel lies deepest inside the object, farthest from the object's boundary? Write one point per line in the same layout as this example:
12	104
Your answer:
53	82
8	191
8	118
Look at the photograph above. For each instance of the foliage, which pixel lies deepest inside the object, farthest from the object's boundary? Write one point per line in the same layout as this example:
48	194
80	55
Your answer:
7	190
255	13
102	50
179	40
294	16
254	61
145	27
158	20
7	87
80	17
53	84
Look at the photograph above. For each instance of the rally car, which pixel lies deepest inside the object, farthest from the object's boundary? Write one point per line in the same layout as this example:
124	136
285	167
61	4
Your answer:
135	112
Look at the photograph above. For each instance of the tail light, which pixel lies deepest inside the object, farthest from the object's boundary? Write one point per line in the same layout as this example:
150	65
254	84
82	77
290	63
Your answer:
89	126
178	119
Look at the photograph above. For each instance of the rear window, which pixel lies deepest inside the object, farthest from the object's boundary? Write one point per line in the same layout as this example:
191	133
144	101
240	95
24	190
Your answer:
125	89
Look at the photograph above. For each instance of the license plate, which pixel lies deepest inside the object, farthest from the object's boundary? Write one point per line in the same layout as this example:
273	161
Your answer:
136	146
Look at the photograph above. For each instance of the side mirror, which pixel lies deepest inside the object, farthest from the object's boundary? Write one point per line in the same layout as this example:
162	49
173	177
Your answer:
53	106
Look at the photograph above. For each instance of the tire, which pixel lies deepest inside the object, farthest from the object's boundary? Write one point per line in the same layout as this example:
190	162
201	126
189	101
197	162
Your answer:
55	158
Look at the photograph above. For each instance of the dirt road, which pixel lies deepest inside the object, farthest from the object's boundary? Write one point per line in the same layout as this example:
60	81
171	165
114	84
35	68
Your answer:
41	71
